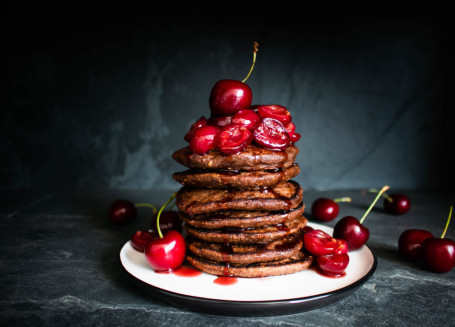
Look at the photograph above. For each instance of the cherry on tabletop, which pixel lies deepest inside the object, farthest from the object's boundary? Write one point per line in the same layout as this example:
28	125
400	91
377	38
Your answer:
410	243
438	254
325	209
229	96
271	134
204	139
397	203
122	211
318	242
233	138
351	229
202	121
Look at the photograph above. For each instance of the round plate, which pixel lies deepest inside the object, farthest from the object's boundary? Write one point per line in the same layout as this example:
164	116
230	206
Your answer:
275	295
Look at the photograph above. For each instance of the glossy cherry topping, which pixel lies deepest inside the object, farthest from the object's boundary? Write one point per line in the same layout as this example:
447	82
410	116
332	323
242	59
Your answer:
247	117
202	121
204	139
229	96
220	121
275	111
318	242
334	264
271	134
234	138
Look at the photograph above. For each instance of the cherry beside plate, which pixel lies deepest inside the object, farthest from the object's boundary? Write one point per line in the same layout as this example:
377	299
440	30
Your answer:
276	295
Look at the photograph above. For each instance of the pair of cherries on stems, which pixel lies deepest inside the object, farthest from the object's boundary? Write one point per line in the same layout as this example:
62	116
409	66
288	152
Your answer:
437	254
163	252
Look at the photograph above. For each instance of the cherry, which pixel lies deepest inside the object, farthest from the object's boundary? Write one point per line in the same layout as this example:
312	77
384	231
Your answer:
410	243
202	121
275	111
342	247
166	252
271	133
397	203
318	242
247	118
233	138
220	121
122	211
325	209
333	264
229	96
204	139
352	231
295	137
141	238
439	253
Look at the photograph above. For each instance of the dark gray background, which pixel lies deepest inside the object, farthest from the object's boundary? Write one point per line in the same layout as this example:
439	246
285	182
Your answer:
101	97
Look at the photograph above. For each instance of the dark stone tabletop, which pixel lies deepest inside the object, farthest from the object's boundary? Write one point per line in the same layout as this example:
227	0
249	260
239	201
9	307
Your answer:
59	265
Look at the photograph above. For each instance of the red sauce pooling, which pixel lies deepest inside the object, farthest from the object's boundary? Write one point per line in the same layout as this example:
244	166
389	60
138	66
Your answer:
225	280
185	271
320	272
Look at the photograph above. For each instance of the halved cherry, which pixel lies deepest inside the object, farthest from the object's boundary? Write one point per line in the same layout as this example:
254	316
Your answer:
247	118
275	111
290	128
271	133
233	138
204	139
295	137
342	247
141	238
318	242
202	121
219	121
333	264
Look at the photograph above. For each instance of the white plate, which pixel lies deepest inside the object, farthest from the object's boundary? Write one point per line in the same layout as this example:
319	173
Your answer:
304	287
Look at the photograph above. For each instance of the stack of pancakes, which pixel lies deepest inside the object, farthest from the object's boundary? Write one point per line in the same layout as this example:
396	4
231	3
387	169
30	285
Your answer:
242	213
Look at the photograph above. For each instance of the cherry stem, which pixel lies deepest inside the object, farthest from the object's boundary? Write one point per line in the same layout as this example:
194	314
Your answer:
388	197
448	221
159	214
345	199
255	50
385	188
147	205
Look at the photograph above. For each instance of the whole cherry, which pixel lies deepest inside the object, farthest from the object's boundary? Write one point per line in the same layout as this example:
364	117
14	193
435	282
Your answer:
141	238
438	254
204	139
410	243
325	209
352	231
166	252
229	96
122	211
169	220
395	203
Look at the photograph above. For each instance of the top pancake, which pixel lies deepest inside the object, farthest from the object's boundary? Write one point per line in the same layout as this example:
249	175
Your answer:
251	158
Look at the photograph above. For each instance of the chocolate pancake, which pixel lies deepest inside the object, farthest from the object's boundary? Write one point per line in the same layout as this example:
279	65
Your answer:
282	248
283	196
259	235
250	158
289	265
236	179
241	218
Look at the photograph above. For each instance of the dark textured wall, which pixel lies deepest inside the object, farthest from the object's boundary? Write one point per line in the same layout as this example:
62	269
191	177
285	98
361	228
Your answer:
102	97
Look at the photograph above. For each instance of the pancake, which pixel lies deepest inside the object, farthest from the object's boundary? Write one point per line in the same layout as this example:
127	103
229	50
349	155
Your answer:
289	265
252	157
283	196
236	179
260	235
241	218
247	253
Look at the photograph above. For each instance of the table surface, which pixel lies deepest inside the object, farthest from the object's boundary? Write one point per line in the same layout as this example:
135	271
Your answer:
59	265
